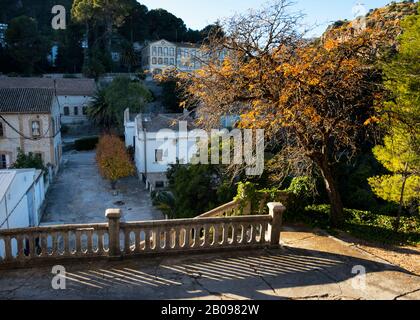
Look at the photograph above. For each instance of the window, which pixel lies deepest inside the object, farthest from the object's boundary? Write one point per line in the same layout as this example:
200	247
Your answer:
66	111
158	155
172	51
154	60
172	61
36	128
1	130
160	184
85	111
160	61
76	111
154	51
53	126
159	51
3	161
166	60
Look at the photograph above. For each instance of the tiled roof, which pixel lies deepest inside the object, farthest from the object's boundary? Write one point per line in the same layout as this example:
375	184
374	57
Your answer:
22	100
154	123
64	87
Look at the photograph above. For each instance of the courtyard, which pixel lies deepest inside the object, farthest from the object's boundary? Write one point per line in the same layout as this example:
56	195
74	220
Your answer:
80	195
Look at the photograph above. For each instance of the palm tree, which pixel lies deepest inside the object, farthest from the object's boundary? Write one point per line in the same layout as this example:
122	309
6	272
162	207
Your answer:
100	113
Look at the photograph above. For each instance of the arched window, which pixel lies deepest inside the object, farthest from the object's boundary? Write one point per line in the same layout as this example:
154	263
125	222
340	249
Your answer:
1	129
76	111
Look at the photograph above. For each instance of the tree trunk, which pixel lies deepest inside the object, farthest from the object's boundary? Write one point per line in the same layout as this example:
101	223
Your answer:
337	212
400	208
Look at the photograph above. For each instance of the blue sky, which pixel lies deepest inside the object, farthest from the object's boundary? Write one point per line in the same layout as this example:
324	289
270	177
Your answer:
199	13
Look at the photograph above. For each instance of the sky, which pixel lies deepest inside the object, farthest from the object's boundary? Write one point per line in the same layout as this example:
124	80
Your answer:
320	13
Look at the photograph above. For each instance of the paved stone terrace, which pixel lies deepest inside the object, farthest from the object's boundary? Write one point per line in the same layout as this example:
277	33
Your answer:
310	266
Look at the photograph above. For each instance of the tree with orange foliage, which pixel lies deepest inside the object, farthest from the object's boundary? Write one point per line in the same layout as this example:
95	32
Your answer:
311	98
113	159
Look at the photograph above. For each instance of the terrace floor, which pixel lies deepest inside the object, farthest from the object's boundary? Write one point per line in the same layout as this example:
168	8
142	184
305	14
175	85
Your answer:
309	266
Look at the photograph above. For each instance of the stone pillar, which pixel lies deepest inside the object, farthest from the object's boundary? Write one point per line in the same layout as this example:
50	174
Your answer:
276	212
114	216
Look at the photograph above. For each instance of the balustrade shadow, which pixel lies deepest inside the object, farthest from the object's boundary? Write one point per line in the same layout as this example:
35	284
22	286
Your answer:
250	275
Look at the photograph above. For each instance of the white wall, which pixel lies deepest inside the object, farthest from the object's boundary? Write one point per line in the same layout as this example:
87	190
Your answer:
16	200
71	102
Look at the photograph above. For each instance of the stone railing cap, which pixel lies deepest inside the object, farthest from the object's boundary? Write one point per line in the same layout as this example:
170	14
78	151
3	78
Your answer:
275	205
113	213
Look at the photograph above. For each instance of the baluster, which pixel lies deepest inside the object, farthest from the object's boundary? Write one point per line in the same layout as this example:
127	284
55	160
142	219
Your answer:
54	237
168	238
197	237
238	234
177	238
137	241
187	240
101	248
263	232
147	243
225	234
20	253
7	248
208	236
78	243
216	235
127	248
66	244
32	248
43	240
89	235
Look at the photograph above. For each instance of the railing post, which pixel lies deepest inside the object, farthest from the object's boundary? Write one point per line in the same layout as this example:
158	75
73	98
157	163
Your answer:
114	216
276	212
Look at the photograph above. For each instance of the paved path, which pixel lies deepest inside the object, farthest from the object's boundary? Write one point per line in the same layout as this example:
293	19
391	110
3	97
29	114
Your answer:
80	195
310	266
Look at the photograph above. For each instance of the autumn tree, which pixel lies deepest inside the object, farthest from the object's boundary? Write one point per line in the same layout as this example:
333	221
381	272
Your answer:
311	98
113	159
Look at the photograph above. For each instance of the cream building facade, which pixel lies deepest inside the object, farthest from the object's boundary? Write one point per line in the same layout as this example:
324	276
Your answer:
30	122
162	55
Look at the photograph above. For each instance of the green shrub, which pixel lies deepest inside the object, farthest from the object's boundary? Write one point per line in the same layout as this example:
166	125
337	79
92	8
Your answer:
86	144
364	224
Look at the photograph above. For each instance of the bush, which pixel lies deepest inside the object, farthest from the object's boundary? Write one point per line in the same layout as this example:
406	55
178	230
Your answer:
86	144
364	225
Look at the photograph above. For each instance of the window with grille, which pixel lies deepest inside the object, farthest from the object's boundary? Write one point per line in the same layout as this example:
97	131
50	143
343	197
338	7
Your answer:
36	128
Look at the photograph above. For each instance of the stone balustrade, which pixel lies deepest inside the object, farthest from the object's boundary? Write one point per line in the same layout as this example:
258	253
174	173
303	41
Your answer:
116	239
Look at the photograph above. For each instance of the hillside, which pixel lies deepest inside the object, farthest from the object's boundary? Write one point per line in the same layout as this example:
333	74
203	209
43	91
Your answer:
383	21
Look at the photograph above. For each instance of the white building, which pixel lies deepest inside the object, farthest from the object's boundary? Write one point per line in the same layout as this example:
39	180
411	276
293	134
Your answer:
22	194
74	95
161	55
3	28
151	153
30	123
